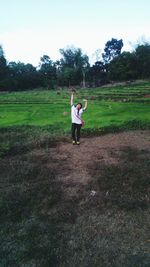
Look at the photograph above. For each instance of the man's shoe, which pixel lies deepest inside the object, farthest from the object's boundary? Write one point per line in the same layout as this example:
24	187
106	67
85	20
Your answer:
78	143
73	142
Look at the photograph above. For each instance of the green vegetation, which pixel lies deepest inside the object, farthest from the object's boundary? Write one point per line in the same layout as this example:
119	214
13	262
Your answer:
107	107
73	68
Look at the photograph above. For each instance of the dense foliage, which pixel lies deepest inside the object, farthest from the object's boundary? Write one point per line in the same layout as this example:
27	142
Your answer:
74	68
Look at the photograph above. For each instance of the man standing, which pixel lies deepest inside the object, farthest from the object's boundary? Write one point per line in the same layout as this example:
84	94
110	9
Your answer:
77	123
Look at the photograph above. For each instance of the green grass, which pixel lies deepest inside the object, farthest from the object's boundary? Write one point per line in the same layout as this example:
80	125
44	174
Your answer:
113	107
47	96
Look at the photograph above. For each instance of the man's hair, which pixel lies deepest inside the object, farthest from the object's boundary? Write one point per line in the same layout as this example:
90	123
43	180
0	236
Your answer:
79	104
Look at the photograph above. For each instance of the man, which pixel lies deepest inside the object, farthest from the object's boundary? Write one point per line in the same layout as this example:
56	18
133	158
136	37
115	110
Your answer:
77	123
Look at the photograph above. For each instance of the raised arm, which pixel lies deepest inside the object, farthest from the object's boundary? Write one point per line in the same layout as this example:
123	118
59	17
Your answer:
86	103
71	100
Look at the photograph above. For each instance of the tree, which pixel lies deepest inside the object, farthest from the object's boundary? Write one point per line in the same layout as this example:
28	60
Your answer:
112	50
97	74
47	71
77	63
3	70
123	67
84	65
3	64
1	51
142	53
22	76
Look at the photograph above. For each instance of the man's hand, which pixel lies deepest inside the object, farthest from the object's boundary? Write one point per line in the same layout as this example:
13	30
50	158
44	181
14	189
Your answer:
71	100
73	90
86	103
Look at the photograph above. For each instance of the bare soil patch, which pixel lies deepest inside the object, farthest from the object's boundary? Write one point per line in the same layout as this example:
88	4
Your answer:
147	96
75	161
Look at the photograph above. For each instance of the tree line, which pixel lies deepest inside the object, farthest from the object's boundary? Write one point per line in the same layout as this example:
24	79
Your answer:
74	68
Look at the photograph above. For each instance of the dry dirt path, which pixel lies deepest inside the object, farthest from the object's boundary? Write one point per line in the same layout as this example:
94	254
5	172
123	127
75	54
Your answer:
75	162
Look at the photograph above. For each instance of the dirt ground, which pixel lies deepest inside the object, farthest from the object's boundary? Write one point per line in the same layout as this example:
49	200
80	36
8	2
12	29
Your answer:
74	162
86	205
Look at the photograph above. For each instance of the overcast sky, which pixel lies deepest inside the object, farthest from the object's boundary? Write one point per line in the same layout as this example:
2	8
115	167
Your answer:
31	28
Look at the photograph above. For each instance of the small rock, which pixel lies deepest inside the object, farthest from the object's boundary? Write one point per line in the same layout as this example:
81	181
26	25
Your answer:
107	193
92	193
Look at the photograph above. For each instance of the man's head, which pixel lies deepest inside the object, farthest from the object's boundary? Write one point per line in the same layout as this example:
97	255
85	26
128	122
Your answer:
79	106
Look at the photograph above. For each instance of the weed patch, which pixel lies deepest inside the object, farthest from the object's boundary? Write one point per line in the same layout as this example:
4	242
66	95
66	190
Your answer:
126	185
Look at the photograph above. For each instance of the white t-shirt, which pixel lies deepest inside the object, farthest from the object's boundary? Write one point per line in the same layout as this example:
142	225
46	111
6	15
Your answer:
76	118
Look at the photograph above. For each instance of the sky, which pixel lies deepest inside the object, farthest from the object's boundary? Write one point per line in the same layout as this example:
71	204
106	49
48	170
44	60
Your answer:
30	29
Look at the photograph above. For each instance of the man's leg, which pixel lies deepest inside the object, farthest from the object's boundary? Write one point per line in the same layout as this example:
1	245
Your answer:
78	132
73	132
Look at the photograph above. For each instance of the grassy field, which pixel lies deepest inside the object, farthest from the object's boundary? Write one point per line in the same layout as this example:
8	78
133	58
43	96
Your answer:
38	115
50	216
108	107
